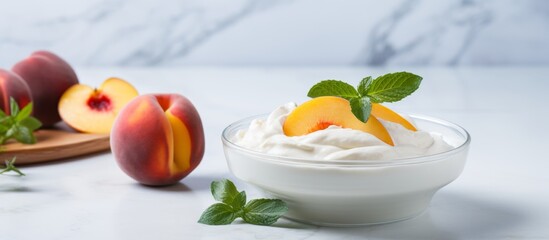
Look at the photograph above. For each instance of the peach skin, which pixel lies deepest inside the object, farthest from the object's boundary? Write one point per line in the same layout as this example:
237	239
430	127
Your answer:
48	76
158	139
11	85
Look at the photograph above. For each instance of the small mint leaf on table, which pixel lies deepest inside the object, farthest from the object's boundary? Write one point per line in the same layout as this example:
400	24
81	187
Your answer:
224	191
264	211
10	167
393	87
233	205
361	108
333	88
238	202
218	214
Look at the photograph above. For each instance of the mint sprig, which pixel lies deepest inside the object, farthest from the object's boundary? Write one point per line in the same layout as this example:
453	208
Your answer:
10	167
233	205
19	125
390	87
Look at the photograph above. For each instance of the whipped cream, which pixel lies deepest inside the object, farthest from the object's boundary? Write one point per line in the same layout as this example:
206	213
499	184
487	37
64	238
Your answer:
335	142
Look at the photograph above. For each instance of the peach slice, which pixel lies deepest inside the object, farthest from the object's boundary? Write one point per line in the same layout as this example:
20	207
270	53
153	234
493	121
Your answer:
93	110
321	112
387	114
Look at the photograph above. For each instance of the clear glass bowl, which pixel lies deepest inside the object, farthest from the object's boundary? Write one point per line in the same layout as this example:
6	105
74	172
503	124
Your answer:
351	192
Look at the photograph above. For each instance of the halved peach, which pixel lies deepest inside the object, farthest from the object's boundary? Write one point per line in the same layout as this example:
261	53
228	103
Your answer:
387	114
93	110
322	112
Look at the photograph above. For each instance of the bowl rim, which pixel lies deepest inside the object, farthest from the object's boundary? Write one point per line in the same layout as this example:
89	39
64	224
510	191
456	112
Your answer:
353	162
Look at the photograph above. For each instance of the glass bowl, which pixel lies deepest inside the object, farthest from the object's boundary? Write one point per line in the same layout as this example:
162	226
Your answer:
351	192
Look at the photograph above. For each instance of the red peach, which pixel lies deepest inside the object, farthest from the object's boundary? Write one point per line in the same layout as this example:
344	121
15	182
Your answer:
11	85
48	76
158	139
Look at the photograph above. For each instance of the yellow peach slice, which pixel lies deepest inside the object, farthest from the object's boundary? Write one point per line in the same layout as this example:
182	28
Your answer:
322	112
387	114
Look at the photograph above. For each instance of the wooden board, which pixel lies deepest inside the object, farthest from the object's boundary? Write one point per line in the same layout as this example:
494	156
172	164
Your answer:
55	144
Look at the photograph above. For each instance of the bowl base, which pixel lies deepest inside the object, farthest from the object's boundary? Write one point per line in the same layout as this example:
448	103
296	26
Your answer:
355	225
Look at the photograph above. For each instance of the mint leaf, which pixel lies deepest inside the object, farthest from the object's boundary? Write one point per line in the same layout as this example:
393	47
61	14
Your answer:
24	135
259	211
363	85
31	123
393	87
264	211
218	214
24	113
238	202
224	191
14	108
332	88
10	167
19	124
361	108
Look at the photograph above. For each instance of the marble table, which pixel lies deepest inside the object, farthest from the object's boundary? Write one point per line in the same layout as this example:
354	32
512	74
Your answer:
503	192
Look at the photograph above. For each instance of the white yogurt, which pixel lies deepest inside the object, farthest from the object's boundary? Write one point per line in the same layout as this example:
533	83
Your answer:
334	142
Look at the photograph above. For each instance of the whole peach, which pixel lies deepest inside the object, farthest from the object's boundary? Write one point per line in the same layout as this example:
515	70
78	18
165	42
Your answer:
158	139
11	85
48	76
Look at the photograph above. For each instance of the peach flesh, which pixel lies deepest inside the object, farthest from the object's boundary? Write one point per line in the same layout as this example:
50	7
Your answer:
321	112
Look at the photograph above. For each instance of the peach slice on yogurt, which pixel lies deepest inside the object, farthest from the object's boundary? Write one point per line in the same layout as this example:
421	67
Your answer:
321	112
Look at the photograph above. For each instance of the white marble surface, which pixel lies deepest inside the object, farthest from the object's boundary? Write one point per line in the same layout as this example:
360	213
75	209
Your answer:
277	32
502	193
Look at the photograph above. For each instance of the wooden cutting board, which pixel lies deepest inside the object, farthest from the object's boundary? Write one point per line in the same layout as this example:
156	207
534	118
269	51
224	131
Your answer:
54	144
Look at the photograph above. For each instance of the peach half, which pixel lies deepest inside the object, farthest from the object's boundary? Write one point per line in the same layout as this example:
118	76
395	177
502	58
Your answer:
158	139
321	112
94	110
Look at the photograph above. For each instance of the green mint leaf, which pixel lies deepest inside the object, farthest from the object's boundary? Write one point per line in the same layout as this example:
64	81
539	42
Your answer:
2	113
24	135
264	211
224	191
14	108
11	132
363	85
24	113
3	128
19	125
361	108
10	167
218	214
393	87
238	203
332	88
31	123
